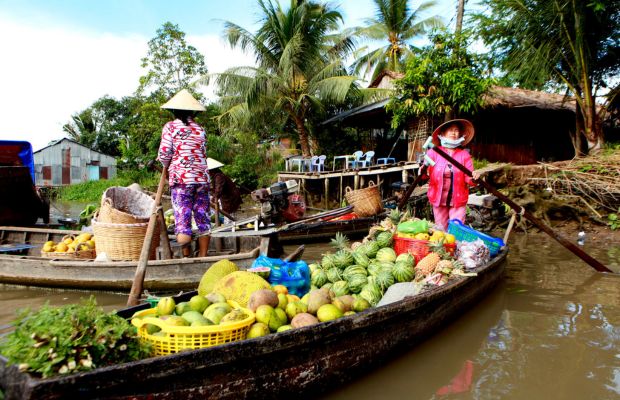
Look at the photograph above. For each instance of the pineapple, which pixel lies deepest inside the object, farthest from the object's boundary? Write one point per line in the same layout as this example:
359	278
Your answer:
428	264
340	242
395	215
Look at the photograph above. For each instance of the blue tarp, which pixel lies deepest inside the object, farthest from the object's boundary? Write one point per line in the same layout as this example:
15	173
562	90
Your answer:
13	153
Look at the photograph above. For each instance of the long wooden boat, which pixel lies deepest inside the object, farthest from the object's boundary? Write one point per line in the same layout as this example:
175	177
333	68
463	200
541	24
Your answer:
21	264
324	230
301	362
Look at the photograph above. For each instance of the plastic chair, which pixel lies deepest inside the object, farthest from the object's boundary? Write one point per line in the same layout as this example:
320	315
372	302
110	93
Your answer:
367	160
356	159
318	163
386	160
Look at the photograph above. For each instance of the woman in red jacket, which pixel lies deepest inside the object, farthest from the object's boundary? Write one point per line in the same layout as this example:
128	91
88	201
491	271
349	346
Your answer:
448	189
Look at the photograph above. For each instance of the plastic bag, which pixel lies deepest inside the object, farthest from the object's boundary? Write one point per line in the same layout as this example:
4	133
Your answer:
294	275
473	254
415	227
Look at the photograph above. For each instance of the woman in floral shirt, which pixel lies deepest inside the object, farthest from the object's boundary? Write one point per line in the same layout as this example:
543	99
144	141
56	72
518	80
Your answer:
183	151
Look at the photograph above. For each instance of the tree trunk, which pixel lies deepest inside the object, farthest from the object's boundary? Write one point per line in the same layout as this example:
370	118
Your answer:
303	137
459	17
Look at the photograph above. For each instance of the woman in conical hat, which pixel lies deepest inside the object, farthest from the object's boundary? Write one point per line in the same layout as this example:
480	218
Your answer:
448	188
183	150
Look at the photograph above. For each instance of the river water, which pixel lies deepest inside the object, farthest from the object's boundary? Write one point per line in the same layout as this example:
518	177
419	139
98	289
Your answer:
551	329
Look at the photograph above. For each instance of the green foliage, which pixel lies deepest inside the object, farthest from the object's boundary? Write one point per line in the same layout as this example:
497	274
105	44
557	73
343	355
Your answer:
172	64
480	163
395	24
299	68
72	338
566	45
444	78
613	221
92	190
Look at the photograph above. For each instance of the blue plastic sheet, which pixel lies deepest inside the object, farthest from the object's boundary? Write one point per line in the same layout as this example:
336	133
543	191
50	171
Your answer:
294	275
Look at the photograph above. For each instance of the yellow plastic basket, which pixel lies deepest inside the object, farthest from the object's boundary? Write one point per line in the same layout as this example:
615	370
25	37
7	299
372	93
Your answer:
179	338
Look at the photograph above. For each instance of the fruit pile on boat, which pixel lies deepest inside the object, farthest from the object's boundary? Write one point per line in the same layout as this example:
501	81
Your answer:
70	245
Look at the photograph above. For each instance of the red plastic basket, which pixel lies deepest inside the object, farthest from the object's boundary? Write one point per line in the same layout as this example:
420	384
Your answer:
417	248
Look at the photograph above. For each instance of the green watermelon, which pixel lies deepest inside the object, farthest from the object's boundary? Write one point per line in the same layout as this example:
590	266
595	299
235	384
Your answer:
343	259
357	282
406	258
318	277
403	271
353	270
327	261
340	288
373	268
333	274
361	259
385	279
371	248
384	239
386	254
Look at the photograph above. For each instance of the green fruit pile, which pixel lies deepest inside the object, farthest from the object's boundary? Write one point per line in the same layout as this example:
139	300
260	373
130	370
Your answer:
212	309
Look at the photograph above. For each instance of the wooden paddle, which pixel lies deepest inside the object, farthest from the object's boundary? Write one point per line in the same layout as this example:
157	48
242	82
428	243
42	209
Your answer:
520	210
138	280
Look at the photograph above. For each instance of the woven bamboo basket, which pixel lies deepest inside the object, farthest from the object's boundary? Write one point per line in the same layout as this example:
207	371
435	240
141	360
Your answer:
123	241
366	202
71	255
121	205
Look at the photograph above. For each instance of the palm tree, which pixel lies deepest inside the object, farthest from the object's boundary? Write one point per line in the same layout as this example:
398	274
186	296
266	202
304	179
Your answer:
299	67
397	23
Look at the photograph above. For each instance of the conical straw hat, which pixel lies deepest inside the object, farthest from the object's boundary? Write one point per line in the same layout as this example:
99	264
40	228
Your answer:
466	127
183	101
212	163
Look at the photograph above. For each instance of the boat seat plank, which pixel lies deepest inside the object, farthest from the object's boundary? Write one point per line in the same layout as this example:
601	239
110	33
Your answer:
11	247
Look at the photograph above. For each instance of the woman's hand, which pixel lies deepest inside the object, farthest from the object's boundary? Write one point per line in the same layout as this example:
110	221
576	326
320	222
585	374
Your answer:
475	175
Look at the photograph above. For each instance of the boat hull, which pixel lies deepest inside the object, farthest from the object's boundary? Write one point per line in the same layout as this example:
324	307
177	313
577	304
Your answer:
161	275
301	362
325	230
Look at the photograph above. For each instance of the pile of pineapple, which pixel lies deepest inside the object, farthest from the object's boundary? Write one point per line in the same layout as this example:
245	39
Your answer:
367	269
71	244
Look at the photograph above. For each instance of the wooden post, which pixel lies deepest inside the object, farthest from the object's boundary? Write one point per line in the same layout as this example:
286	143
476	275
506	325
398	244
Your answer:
326	193
404	175
340	189
138	280
218	240
356	182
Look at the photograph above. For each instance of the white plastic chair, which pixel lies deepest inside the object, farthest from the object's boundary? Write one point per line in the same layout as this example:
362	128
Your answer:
318	163
356	159
367	160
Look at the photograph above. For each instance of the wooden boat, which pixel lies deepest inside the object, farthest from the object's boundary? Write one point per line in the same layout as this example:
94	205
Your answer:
301	362
21	264
325	230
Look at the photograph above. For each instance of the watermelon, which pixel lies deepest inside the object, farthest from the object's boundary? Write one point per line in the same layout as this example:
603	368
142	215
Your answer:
371	248
340	288
333	274
343	259
263	272
385	279
353	270
384	239
361	259
318	277
386	254
406	258
327	261
373	268
357	282
403	272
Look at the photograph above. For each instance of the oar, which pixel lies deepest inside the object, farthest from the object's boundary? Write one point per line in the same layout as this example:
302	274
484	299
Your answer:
416	182
138	279
520	210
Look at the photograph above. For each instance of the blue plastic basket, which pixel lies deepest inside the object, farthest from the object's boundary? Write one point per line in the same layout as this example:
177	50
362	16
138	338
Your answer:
464	233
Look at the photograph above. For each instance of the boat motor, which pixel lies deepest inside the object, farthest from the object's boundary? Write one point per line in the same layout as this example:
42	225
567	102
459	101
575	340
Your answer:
280	202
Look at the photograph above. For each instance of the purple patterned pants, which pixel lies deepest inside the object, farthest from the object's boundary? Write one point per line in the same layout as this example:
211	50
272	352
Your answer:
188	199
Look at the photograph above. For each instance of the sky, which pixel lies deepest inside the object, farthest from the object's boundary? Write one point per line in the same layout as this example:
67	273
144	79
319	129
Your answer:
59	56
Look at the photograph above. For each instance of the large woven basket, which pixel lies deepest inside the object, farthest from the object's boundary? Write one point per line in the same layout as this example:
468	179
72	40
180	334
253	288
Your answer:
366	202
121	205
123	241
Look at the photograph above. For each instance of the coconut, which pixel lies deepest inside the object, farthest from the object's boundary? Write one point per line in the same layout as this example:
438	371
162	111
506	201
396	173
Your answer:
303	319
318	298
263	296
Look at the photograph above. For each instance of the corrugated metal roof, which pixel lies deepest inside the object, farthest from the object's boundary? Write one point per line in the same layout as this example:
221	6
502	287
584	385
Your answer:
355	111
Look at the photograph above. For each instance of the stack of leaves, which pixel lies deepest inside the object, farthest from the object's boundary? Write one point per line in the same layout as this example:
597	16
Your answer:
72	338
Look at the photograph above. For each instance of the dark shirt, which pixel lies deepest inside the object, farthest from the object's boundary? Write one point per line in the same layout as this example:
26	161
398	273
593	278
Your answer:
224	189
